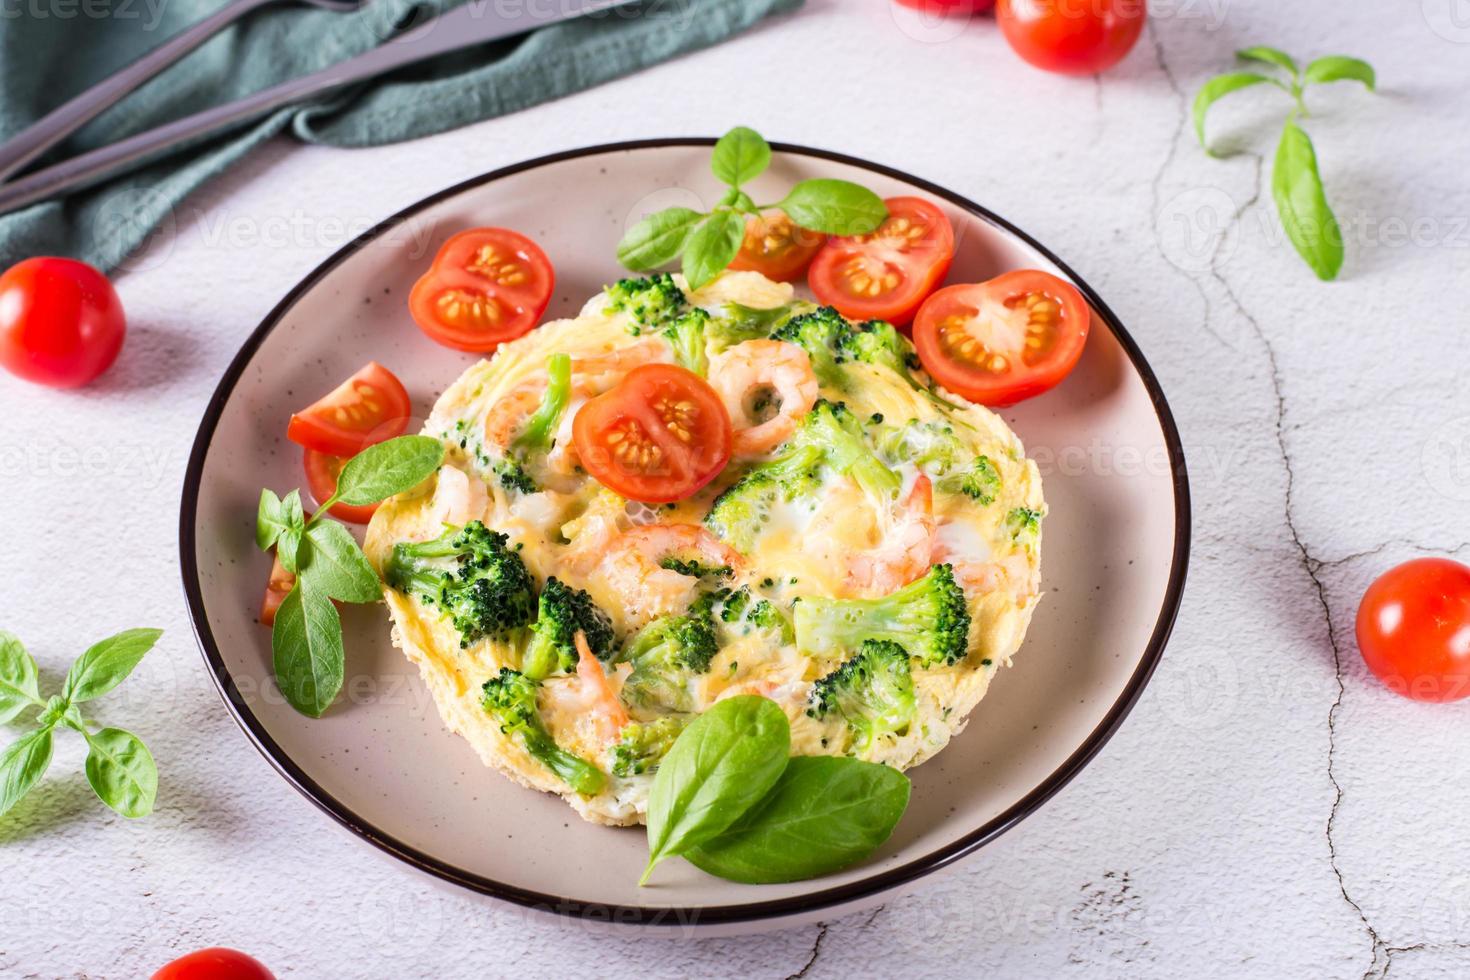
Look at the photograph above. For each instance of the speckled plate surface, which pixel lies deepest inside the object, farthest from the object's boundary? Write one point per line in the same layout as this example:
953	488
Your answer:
381	763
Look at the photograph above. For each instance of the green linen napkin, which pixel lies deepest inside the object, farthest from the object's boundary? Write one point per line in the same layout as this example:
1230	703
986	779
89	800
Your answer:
49	57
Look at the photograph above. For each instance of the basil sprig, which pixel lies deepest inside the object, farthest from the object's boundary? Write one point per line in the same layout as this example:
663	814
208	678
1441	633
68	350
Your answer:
119	766
1296	182
306	639
709	241
728	798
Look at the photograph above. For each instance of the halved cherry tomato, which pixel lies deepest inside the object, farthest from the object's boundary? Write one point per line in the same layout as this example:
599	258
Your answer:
777	247
1073	37
1003	341
322	471
215	963
367	408
887	274
61	323
1414	629
486	286
659	436
276	589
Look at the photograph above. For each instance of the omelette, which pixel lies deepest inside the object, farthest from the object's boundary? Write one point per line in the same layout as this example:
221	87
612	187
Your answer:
868	558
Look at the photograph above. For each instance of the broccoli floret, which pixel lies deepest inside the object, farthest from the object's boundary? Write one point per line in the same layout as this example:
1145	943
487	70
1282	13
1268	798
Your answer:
652	302
1024	525
931	446
641	746
742	611
822	334
686	334
873	692
665	653
471	575
980	481
928	618
510	698
740	322
539	435
831	426
563	613
880	343
696	569
740	512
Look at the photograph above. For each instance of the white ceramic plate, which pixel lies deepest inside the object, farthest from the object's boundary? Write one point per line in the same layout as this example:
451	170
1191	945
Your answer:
383	766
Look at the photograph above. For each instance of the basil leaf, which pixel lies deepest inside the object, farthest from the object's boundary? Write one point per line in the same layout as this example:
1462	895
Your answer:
288	547
1268	56
337	566
1302	203
307	645
1214	89
380	471
657	239
718	767
834	207
121	771
270	520
712	247
741	155
1340	68
19	688
106	664
823	814
22	763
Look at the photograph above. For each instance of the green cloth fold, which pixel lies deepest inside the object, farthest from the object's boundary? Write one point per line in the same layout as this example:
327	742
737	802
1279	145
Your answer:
48	58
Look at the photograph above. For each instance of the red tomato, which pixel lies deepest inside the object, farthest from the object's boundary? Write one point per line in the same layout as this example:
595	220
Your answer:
276	589
367	408
658	436
946	7
486	286
215	963
322	471
61	323
886	275
1003	341
1414	629
776	247
1073	37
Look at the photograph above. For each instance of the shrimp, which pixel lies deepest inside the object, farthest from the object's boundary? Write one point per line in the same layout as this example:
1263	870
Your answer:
607	711
906	548
458	498
633	569
606	370
983	577
766	385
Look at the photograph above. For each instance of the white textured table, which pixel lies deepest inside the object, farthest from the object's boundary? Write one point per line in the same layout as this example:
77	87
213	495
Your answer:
1268	810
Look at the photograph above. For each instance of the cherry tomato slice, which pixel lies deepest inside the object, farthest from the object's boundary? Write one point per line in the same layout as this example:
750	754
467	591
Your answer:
1073	37
1414	629
1003	341
777	247
215	963
277	588
322	471
61	323
659	436
367	408
887	274
486	286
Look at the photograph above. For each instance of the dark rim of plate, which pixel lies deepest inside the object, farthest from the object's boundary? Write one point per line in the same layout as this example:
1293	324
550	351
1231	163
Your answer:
677	916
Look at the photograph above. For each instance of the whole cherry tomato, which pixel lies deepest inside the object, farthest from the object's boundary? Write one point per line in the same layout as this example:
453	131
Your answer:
215	963
1414	629
61	323
1073	37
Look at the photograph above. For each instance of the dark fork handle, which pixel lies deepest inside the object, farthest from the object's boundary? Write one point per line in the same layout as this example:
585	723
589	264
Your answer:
67	118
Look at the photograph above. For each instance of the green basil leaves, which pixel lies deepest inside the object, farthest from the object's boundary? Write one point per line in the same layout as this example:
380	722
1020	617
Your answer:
709	241
119	766
729	800
306	638
1296	181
